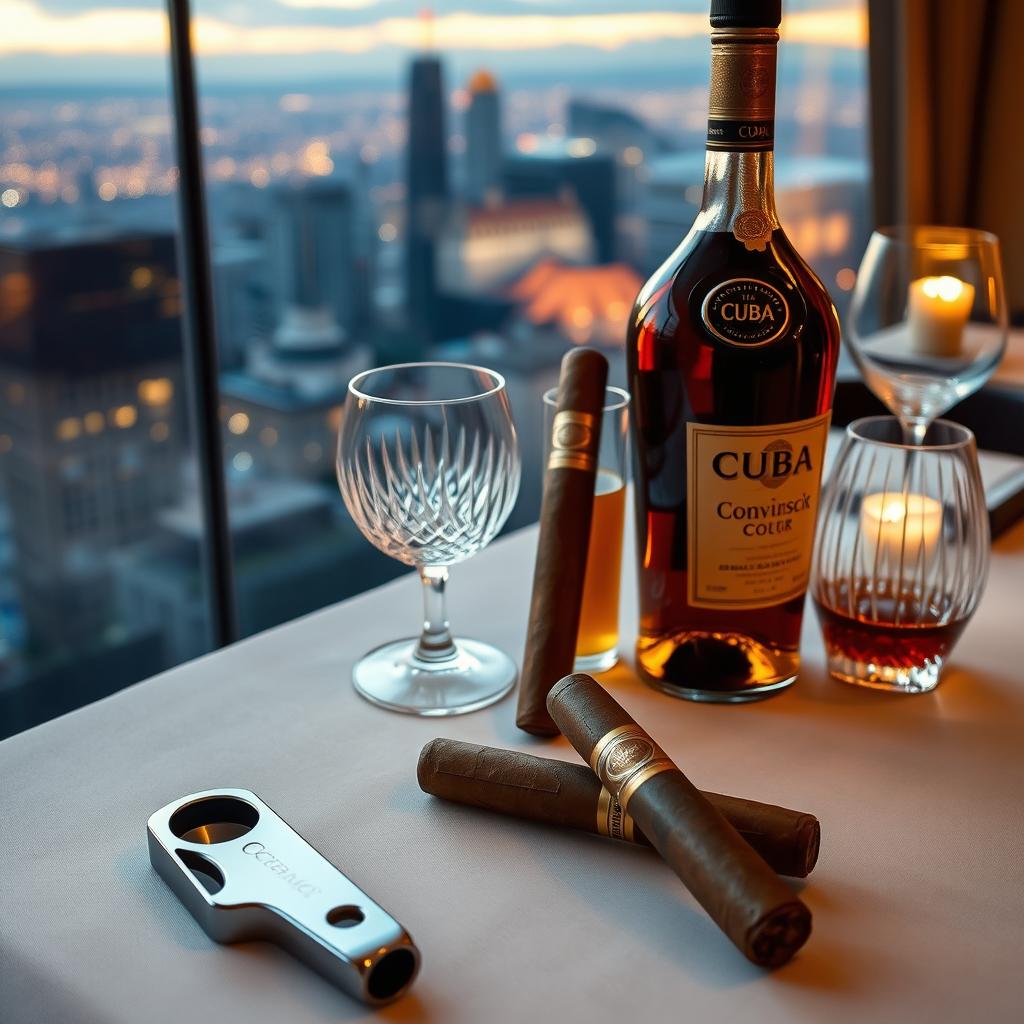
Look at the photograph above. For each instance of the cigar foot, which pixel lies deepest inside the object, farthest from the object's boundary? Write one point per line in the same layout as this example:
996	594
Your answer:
779	934
536	725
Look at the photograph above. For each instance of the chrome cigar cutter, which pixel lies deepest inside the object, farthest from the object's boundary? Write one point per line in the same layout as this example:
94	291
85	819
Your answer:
244	873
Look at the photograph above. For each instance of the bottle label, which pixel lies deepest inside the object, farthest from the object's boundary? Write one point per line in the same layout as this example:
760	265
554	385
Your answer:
745	311
729	134
751	506
741	113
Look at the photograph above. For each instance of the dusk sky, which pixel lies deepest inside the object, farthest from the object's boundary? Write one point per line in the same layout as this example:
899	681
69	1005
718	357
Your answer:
81	40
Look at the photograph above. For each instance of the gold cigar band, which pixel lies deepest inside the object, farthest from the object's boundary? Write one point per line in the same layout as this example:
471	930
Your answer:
624	759
612	820
573	438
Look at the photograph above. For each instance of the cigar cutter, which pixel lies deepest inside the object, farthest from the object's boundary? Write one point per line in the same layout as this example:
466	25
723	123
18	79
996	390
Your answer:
244	873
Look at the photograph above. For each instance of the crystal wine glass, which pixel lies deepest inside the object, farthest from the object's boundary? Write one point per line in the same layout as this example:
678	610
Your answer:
928	319
428	465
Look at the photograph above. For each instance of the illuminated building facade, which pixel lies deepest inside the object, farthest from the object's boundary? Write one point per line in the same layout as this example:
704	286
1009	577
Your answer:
91	439
482	249
555	167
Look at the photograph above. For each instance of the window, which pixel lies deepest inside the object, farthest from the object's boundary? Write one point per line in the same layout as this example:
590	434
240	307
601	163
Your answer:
492	183
96	466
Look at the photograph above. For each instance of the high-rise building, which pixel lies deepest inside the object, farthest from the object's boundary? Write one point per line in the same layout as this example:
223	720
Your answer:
91	439
553	167
483	140
426	190
294	550
311	249
613	129
484	249
281	408
241	300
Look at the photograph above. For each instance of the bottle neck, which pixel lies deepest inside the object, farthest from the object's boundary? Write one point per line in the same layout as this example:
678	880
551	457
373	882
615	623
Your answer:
739	178
736	184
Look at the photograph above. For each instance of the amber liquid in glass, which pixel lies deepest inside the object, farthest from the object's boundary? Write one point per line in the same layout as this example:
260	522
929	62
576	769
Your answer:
599	616
891	633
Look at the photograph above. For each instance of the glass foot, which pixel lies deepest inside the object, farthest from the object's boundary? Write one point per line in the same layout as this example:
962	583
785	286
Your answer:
394	678
921	678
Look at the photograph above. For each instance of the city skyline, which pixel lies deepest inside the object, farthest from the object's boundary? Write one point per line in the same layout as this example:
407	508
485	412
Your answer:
459	212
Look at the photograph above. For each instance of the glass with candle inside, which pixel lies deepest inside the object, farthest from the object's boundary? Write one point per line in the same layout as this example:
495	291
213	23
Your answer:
928	318
597	641
902	553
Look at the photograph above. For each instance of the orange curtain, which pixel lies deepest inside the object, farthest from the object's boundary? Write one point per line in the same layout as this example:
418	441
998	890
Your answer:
947	117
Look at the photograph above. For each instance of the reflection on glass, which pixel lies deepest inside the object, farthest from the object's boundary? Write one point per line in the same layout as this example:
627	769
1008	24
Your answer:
928	322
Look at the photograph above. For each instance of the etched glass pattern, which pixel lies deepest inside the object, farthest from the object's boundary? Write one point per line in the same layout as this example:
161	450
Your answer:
902	553
428	466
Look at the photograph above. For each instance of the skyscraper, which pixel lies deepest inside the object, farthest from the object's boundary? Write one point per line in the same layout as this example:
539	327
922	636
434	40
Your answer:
483	140
311	240
426	190
90	416
556	165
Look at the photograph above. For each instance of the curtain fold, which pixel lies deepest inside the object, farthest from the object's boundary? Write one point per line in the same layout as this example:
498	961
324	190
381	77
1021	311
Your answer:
947	119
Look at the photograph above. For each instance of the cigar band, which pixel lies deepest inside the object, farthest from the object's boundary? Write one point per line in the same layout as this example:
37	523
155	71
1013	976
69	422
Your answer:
612	820
624	759
573	438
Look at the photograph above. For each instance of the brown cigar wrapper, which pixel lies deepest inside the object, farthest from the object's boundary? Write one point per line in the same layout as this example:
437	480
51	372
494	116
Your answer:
566	511
570	795
754	908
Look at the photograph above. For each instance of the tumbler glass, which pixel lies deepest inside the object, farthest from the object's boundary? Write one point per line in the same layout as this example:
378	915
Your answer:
902	553
597	642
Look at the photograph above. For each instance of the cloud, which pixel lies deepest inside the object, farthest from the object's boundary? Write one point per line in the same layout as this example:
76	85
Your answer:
31	29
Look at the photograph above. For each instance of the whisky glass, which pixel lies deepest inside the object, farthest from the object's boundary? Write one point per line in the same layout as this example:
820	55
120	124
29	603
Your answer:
928	319
902	553
597	641
428	466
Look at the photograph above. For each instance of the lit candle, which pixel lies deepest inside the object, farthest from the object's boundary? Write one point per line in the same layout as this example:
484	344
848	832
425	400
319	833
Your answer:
938	310
892	523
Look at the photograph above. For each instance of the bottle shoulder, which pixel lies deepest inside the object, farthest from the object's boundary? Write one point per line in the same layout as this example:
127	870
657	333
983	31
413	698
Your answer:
705	261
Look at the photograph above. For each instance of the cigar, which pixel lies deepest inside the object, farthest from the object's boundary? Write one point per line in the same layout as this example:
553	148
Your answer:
570	795
744	897
565	514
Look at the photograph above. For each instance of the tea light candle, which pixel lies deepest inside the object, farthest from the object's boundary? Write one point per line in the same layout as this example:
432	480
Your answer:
894	523
938	309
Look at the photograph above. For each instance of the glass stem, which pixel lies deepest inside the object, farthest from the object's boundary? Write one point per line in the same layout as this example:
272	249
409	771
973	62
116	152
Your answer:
435	642
914	430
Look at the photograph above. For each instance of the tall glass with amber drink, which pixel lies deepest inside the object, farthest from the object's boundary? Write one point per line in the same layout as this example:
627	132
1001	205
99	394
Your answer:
597	642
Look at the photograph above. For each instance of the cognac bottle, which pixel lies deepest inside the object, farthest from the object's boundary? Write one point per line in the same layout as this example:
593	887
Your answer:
732	353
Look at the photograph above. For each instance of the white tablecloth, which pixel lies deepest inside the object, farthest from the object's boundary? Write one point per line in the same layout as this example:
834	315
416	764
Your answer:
918	897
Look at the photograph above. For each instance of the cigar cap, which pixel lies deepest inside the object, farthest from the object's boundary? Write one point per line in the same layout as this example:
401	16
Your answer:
564	683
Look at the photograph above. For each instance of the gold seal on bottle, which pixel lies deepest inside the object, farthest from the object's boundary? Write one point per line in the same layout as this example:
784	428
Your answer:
753	229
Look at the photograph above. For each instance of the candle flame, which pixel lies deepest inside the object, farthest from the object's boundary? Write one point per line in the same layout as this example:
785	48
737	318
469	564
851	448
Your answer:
947	288
893	512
